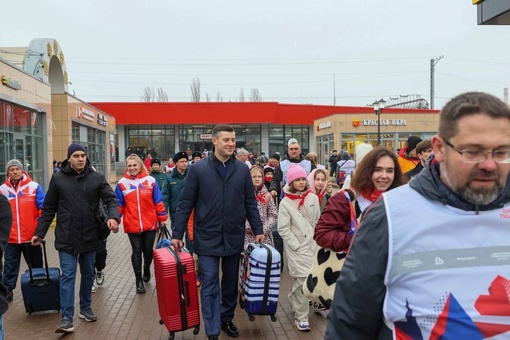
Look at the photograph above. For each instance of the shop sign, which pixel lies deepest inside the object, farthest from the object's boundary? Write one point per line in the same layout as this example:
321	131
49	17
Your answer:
102	120
324	125
206	136
13	84
385	122
85	114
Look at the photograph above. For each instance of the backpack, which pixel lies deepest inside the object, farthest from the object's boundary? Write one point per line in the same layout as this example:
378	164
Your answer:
342	175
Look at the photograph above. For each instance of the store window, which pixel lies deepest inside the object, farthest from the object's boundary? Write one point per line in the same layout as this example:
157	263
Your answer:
279	136
21	137
160	139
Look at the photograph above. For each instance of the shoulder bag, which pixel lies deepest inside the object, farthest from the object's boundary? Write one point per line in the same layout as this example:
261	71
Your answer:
320	283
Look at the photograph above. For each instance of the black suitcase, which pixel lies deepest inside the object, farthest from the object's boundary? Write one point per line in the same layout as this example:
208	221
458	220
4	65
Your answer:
40	287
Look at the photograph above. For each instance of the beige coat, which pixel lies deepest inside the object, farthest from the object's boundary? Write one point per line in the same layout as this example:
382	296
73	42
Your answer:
296	227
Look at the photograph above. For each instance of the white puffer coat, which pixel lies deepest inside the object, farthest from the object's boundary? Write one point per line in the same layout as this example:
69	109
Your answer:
296	227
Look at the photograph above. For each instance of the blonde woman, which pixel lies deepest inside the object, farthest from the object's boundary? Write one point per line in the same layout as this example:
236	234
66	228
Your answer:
141	207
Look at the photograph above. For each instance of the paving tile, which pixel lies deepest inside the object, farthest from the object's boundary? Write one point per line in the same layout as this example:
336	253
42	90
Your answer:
123	314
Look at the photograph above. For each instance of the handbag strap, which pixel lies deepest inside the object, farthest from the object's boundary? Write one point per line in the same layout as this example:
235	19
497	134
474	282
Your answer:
354	220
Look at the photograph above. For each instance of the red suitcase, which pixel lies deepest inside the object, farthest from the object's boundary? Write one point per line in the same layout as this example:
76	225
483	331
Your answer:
176	290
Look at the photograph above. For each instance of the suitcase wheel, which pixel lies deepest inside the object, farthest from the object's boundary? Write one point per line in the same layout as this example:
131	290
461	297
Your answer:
171	336
160	321
274	318
251	317
196	329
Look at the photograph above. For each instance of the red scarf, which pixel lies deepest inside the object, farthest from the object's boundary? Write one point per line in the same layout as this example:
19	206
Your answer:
373	195
261	197
300	197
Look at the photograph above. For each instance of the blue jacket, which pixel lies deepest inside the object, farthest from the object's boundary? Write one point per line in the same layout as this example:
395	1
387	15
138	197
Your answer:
221	207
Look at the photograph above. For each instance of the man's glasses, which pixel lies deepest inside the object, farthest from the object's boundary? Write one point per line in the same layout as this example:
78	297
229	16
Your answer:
478	156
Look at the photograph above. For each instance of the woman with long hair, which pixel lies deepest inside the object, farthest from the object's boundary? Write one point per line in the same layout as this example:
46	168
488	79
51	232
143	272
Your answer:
141	208
378	172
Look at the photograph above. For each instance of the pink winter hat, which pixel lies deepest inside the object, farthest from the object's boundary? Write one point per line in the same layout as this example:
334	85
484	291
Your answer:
295	171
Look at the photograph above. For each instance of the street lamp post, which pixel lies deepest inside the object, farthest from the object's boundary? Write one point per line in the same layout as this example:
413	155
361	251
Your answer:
378	109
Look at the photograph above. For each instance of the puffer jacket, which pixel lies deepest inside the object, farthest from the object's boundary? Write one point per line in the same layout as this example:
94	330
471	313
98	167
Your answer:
140	202
221	206
296	227
77	227
26	200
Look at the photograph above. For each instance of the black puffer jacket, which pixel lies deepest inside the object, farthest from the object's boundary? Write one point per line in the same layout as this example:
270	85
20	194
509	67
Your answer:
77	226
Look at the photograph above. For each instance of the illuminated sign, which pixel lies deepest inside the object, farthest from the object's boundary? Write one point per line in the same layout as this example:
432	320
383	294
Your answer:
206	136
85	114
383	122
13	84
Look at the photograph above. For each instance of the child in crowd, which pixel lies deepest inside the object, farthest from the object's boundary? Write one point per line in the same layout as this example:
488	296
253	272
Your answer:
266	205
297	216
318	180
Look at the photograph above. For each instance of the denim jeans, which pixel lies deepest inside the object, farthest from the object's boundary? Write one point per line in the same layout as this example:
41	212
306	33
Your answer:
1	327
12	262
68	265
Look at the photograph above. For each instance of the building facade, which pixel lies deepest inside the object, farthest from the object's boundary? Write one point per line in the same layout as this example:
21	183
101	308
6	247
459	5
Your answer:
354	125
39	118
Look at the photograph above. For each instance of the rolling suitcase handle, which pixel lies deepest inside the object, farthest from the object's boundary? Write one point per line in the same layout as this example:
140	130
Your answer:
29	261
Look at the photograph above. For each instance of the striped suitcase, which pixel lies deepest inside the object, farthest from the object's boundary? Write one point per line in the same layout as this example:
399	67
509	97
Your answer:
260	280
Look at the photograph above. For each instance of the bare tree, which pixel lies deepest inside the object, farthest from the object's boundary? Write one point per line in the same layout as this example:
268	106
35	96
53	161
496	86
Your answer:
195	90
255	95
241	95
207	98
218	97
151	95
148	94
162	95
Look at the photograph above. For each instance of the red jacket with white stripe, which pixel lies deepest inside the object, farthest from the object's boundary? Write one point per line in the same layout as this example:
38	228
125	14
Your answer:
26	200
140	203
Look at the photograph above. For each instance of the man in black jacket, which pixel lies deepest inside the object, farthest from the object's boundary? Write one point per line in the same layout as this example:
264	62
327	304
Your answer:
77	229
5	230
220	190
332	163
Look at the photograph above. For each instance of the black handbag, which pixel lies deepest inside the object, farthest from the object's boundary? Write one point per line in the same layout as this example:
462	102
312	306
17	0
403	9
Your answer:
101	214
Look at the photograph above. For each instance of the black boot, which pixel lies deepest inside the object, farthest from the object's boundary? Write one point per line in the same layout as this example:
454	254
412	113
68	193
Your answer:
146	273
140	289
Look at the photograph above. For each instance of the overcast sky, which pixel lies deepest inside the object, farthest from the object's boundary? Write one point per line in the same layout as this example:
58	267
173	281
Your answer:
292	51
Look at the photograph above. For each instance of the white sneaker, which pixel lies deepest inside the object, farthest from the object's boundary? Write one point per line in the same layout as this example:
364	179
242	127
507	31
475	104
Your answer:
303	326
94	288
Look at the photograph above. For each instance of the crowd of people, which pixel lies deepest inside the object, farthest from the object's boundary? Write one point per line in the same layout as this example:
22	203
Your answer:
410	221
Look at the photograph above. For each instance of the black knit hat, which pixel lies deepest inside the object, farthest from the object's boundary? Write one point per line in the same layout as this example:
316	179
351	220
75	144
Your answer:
412	141
276	156
73	148
179	155
155	160
268	169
